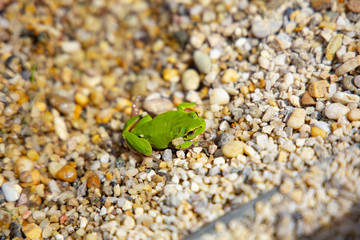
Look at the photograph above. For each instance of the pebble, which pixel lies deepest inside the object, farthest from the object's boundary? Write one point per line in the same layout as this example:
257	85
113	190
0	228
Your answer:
230	75
67	173
307	100
357	81
297	118
157	106
316	131
11	191
345	98
171	75
32	231
233	148
38	215
320	4
219	96
354	115
269	114
335	111
167	155
265	27
15	230
60	126
62	104
354	5
190	79
221	139
348	66
264	62
93	181
334	44
318	89
202	61
70	46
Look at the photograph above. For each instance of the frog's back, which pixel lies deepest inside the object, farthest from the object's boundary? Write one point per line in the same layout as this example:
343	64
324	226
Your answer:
162	129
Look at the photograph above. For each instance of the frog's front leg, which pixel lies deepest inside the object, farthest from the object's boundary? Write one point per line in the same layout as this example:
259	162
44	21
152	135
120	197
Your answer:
179	143
138	144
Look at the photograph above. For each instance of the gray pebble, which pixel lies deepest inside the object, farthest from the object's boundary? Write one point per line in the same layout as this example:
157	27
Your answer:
221	139
15	230
167	155
157	106
202	61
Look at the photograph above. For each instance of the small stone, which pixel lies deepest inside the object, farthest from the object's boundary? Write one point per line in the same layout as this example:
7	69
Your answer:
315	131
354	115
269	114
230	75
219	161
38	215
32	231
264	62
318	89
70	46
171	75
11	191
307	100
233	148
67	173
167	155
157	106
318	5
197	39
297	118
81	99
190	80
221	139
93	181
62	104
202	61
335	111
348	66
345	98
219	96
265	27
357	81
334	45
354	5
60	126
131	172
15	230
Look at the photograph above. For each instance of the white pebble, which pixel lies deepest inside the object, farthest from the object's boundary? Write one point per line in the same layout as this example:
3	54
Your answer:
335	111
11	191
219	161
190	79
219	96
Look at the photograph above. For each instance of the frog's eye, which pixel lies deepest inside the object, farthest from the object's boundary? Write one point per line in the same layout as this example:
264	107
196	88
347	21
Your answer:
190	133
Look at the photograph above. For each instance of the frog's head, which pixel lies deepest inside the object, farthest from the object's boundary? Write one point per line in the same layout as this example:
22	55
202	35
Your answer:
194	127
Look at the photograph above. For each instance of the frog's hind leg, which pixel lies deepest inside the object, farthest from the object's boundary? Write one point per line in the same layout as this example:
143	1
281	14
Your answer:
140	145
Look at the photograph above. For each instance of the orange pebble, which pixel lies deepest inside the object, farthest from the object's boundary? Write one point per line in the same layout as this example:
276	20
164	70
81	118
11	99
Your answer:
67	173
93	181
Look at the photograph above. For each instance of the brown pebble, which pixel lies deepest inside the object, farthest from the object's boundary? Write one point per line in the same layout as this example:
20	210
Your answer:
93	181
354	5
307	100
67	173
318	89
318	5
357	81
62	104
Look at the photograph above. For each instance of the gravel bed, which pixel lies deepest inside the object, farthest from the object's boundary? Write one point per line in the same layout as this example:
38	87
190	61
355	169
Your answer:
277	83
